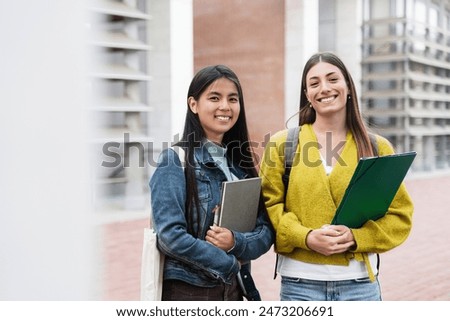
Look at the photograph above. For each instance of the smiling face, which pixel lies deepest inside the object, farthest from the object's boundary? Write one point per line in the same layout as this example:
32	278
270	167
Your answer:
326	89
218	108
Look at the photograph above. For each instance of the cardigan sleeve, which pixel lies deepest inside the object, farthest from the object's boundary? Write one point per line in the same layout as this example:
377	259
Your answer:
391	230
290	233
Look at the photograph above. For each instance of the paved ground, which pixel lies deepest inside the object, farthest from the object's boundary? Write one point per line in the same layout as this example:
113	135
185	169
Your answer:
417	270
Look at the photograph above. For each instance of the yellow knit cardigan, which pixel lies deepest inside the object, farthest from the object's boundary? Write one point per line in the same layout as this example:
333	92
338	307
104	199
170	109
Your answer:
313	198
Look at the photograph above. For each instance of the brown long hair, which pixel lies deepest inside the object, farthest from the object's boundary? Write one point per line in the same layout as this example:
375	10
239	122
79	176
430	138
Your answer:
354	119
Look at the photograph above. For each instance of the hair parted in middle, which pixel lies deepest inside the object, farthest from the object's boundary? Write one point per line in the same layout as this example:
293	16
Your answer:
354	120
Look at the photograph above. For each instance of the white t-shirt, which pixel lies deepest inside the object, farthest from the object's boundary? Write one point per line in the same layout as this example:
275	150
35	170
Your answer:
218	154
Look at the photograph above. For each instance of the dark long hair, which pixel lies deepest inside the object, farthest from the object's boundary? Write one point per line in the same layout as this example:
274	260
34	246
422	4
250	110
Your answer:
354	119
236	140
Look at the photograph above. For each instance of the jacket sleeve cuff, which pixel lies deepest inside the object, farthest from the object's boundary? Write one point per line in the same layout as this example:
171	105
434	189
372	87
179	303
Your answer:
290	234
234	271
239	244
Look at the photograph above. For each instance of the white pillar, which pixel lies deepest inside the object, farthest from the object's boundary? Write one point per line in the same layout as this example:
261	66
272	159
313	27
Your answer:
182	59
349	37
45	231
171	61
301	41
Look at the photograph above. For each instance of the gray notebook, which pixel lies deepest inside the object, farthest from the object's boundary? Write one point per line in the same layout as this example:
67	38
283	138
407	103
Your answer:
239	205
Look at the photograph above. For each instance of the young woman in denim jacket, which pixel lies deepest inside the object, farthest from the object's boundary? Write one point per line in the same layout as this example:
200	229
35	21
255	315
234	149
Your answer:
203	260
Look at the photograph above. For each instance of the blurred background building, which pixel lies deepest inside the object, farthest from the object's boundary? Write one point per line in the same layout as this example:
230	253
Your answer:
397	51
405	76
140	56
147	51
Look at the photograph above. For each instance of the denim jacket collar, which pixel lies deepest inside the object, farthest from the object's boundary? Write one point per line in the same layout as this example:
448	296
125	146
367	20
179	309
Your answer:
203	157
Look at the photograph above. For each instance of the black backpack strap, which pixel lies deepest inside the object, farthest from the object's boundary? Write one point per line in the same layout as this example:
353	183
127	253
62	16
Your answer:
247	284
289	152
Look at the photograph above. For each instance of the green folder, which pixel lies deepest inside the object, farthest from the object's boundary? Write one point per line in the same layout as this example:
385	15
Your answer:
372	188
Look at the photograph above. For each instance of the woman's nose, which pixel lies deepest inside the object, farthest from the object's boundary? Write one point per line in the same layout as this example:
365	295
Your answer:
224	105
324	86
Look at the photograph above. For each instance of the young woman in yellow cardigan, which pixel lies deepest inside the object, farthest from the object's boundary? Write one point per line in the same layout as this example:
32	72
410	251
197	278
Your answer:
319	261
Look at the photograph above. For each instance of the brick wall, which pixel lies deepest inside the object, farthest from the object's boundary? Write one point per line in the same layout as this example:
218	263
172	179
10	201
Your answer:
248	36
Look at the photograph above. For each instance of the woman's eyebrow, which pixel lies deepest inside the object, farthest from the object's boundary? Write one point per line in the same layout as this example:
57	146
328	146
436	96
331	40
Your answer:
220	94
327	75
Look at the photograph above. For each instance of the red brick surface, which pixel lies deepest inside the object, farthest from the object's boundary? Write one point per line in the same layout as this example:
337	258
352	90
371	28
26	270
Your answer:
416	270
248	36
122	253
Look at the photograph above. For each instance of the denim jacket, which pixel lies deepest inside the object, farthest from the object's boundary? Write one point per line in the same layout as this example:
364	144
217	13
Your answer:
190	258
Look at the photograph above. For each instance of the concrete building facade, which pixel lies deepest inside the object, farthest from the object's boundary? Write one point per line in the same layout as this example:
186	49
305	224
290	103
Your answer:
405	77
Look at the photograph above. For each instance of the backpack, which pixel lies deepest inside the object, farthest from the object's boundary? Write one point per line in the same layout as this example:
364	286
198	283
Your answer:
289	151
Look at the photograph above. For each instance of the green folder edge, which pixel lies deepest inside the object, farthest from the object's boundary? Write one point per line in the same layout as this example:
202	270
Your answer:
372	188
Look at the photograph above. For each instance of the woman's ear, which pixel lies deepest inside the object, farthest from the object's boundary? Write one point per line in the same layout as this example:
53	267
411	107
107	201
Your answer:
192	104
